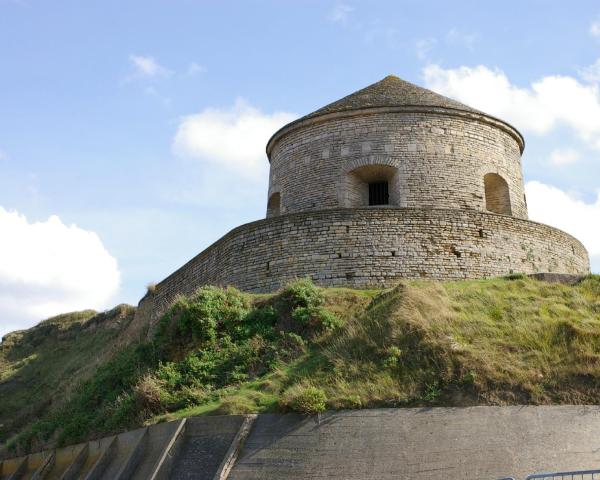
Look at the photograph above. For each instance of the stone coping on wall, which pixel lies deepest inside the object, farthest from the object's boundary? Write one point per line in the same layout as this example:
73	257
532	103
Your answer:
370	247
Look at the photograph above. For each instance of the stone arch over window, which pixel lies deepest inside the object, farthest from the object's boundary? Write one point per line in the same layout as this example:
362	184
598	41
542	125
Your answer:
370	184
497	194
274	205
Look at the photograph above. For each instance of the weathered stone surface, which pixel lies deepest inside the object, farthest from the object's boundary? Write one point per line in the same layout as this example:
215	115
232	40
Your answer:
434	170
370	247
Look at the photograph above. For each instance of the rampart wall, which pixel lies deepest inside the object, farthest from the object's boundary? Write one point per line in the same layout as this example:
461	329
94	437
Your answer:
370	247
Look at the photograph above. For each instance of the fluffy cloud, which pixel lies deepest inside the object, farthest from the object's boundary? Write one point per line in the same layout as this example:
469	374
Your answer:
595	28
551	205
566	156
341	13
47	268
548	103
146	66
234	138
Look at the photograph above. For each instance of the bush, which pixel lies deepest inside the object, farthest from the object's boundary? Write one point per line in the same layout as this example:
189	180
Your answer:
302	293
303	301
316	319
148	394
308	400
393	358
199	319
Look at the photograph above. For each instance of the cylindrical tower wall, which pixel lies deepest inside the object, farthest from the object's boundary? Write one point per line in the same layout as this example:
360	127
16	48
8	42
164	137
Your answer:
429	159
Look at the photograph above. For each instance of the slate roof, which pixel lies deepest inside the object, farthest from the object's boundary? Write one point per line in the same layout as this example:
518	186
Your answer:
390	92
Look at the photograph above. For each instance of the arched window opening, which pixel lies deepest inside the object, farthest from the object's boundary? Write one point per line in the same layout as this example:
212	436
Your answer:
371	185
497	195
274	205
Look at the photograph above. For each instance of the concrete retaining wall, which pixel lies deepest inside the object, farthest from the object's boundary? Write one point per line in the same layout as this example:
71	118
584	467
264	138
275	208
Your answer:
381	444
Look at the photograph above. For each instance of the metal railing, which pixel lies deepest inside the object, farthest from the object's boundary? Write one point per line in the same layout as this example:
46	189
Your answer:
579	475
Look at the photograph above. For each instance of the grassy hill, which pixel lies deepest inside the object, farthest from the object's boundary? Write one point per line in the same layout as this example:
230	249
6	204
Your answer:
499	342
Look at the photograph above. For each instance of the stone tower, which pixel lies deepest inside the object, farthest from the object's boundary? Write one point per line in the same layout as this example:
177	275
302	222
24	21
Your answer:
391	182
422	150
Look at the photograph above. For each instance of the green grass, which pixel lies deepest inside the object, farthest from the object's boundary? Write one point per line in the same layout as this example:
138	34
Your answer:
42	366
489	342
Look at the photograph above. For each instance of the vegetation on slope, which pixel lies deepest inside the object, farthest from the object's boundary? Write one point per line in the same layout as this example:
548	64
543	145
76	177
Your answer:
501	341
41	367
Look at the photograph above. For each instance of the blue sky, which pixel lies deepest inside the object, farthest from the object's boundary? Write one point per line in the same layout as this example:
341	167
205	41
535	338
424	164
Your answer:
108	110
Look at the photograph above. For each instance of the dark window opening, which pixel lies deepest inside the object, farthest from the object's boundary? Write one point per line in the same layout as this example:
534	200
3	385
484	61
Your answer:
378	193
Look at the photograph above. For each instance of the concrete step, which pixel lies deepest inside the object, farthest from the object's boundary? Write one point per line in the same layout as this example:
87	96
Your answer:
206	442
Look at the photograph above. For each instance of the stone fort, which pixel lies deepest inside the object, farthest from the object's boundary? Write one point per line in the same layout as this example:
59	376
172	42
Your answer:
391	182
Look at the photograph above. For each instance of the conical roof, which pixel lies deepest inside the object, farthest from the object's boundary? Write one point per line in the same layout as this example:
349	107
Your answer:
391	92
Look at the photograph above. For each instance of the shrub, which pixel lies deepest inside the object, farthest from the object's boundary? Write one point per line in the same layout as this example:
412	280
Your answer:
148	394
200	318
303	301
316	319
392	360
302	293
308	400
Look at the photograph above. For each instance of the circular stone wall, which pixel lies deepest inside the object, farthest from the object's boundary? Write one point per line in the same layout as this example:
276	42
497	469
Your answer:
438	159
372	247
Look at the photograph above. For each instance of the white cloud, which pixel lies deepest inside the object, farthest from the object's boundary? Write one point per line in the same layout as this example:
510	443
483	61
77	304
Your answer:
3	155
47	268
564	156
234	138
550	205
591	73
548	103
424	46
341	13
595	28
195	68
455	36
146	66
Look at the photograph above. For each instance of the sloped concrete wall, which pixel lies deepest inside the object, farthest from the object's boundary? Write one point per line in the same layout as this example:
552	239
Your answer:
380	444
422	444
